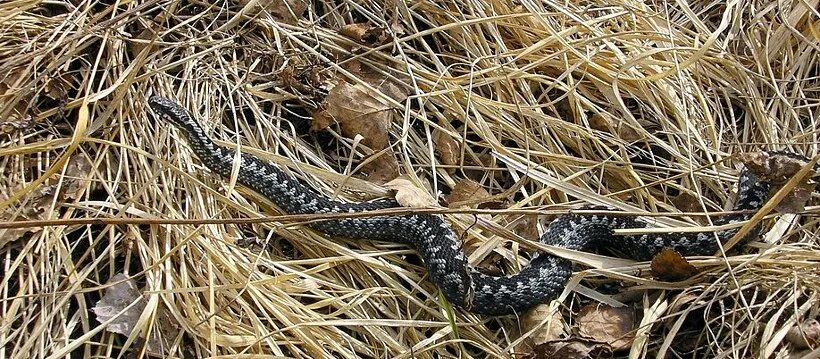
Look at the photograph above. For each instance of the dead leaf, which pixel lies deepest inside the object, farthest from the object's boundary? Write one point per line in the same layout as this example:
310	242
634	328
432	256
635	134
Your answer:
447	149
287	11
601	123
554	329
381	169
366	34
306	79
687	202
121	293
18	118
606	324
627	133
488	165
358	111
776	168
467	193
78	175
621	129
575	348
15	123
796	200
805	335
322	119
409	195
56	87
525	226
670	266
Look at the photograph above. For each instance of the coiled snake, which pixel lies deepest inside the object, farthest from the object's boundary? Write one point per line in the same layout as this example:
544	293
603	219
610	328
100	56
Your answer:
545	276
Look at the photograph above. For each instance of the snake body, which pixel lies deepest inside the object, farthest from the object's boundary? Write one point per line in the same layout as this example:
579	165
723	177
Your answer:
438	245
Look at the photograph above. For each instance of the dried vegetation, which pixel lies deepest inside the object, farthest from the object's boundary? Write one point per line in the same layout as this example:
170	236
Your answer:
500	110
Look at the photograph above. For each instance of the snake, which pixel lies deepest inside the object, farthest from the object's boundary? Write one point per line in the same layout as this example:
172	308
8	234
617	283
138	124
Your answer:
438	245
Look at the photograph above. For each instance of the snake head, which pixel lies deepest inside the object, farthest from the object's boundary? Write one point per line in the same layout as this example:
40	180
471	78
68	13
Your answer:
172	112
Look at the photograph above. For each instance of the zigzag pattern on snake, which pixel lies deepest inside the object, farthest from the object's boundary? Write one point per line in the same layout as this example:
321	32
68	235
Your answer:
440	248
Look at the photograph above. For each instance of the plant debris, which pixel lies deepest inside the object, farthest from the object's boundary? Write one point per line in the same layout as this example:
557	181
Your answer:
546	105
669	265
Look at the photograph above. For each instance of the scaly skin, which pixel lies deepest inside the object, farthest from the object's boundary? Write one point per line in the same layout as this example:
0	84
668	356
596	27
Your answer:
543	279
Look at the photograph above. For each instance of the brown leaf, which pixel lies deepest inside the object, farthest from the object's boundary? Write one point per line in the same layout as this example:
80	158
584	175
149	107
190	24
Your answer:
56	87
381	169
321	120
553	330
447	149
804	335
611	325
15	123
467	193
621	128
525	226
18	118
77	174
687	202
796	200
358	111
366	34
575	348
601	123
669	265
409	195
776	168
627	133
287	11
119	295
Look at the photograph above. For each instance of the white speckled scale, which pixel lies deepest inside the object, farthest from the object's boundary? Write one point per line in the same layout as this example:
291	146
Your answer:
438	245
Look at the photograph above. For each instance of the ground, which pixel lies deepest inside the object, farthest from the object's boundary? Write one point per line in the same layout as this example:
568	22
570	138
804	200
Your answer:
116	241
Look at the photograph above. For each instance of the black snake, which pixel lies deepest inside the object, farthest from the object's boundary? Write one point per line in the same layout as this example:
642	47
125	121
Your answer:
545	276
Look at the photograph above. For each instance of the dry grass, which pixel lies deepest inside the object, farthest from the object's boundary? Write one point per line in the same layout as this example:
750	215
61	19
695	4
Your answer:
630	104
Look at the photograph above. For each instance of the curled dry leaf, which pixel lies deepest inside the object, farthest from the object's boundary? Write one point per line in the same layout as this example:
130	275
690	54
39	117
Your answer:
554	329
670	266
77	174
467	193
306	79
687	202
380	168
621	128
358	111
18	117
601	123
797	199
606	324
409	195
121	293
779	168
57	87
366	34
525	226
37	206
627	133
805	335
447	149
776	168
15	124
39	203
